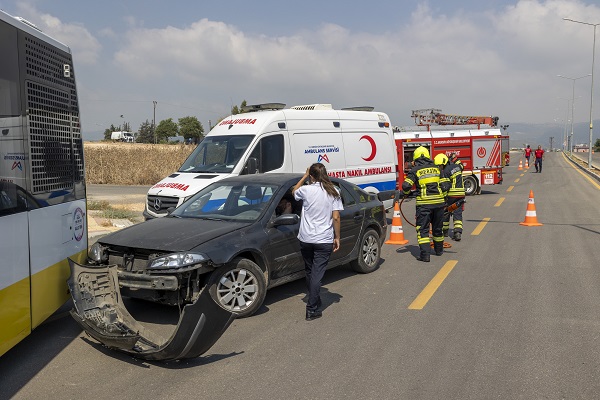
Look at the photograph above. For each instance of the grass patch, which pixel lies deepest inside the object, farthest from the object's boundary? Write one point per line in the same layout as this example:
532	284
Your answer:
105	210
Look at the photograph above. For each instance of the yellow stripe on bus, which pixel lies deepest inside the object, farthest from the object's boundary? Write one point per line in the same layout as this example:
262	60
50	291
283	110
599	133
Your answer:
15	314
49	289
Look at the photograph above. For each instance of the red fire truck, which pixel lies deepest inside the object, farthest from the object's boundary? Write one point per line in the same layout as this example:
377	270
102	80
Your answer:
477	141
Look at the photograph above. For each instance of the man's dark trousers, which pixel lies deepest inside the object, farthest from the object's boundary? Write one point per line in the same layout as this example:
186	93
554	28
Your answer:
316	256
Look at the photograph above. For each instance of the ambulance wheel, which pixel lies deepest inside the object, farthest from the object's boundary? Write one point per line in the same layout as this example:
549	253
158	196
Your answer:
470	183
369	252
239	286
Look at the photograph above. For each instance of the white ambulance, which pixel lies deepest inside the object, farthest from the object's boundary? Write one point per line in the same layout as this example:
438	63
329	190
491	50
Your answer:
356	144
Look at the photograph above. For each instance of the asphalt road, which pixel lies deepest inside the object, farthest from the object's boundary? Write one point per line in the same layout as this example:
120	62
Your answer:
517	316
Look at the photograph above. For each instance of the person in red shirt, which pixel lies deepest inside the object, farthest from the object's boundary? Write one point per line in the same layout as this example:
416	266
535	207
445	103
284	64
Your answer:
539	157
528	153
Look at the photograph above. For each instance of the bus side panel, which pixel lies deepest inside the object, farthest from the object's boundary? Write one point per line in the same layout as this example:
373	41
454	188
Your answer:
15	321
53	244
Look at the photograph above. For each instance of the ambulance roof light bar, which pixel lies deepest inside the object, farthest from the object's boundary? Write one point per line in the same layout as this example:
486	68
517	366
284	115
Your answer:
360	108
263	107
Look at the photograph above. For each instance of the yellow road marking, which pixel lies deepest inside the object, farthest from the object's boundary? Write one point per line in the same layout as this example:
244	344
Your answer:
480	227
500	200
510	188
522	175
432	286
584	175
517	180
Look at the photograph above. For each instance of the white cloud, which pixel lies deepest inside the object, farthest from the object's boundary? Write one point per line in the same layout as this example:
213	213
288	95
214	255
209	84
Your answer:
83	44
504	64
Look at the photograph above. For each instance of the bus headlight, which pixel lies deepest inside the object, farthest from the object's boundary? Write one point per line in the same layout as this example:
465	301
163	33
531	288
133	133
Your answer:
98	253
177	260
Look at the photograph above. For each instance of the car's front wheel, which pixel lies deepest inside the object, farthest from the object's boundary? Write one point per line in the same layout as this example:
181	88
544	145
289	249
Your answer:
239	286
369	253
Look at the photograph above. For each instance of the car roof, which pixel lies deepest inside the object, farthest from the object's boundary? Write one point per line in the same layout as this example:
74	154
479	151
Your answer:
272	179
269	179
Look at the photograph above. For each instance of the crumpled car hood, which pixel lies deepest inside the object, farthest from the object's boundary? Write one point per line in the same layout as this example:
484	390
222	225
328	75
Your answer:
100	311
171	234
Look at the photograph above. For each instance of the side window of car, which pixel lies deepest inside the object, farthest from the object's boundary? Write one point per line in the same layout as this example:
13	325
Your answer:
347	198
363	196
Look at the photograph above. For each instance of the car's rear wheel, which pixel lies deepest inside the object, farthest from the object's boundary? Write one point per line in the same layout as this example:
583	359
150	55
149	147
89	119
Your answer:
369	253
239	287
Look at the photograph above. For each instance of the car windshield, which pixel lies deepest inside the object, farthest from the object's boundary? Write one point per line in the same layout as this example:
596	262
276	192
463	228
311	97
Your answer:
217	154
239	202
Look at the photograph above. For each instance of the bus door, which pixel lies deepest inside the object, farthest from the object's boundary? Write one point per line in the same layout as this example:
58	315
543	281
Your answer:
15	310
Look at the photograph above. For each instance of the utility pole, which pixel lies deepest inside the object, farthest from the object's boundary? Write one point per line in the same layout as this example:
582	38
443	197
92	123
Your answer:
154	122
551	140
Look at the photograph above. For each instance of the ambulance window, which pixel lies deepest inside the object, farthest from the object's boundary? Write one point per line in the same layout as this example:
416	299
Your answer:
269	153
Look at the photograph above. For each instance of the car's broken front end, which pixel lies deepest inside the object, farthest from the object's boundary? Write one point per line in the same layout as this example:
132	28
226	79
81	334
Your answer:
100	311
160	277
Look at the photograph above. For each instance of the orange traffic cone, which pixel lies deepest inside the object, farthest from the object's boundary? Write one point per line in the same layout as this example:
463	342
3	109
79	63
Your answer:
520	165
530	215
396	234
526	164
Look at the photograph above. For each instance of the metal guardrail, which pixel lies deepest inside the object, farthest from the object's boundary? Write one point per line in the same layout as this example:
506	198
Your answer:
583	165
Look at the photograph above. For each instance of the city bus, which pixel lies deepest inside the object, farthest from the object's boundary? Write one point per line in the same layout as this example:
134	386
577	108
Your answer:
42	183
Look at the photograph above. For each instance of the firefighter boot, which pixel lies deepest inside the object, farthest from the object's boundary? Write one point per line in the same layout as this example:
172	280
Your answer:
457	236
424	253
445	232
438	247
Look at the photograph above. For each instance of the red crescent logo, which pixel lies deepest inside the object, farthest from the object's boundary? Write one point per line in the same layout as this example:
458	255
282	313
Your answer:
373	147
481	152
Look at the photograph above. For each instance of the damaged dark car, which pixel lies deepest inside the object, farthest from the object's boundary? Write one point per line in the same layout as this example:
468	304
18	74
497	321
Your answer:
234	240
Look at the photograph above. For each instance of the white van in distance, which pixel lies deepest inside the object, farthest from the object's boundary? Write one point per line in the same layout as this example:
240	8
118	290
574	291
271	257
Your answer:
356	144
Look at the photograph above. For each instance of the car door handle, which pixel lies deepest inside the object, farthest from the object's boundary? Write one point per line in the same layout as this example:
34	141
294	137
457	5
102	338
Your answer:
357	216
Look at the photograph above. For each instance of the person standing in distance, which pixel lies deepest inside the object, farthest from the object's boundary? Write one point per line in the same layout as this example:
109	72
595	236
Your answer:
430	189
319	233
528	154
539	157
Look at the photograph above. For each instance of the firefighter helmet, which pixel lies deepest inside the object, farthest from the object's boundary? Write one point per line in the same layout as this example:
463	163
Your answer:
420	152
452	157
440	159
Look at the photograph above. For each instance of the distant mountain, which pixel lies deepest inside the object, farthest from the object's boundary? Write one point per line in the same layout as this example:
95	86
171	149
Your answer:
522	134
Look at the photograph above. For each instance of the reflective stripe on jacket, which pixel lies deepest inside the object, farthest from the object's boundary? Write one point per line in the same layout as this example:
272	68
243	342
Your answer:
453	172
425	176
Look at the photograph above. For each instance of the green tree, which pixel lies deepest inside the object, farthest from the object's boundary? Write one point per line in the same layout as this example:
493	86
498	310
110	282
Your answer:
166	129
108	131
597	145
145	134
238	110
191	128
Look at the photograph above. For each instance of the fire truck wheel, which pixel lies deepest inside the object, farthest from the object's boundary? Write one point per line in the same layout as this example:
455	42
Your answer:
470	183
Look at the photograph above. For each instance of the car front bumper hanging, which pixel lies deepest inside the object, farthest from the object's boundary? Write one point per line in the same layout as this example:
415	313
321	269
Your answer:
100	311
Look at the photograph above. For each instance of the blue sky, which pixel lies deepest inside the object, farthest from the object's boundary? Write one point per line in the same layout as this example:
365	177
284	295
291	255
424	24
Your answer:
199	58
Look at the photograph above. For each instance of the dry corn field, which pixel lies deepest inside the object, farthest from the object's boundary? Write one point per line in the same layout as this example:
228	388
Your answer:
132	163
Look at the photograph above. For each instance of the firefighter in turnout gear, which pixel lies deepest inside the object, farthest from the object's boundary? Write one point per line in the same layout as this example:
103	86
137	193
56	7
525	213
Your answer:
430	189
452	169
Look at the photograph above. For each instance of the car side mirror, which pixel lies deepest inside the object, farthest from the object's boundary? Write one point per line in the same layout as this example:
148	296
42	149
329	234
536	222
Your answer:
252	165
285	219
